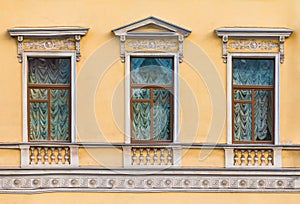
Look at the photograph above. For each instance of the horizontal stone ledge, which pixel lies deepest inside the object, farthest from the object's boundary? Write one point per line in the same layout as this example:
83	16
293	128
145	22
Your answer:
239	171
17	145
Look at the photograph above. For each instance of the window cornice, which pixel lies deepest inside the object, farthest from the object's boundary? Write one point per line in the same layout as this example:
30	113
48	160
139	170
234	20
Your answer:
47	31
253	32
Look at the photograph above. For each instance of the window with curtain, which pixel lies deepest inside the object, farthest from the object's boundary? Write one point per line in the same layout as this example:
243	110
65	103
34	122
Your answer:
151	104
49	96
253	100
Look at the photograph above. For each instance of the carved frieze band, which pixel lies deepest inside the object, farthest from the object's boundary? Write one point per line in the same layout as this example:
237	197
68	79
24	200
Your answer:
253	45
151	45
147	183
49	44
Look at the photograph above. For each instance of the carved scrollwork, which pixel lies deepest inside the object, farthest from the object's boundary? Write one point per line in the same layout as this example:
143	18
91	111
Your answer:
49	44
151	45
253	45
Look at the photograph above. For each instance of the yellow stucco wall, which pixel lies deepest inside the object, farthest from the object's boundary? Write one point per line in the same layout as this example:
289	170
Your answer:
101	16
202	17
149	198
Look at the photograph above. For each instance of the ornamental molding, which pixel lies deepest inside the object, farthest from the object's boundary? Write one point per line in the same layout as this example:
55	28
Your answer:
126	180
48	39
239	39
151	35
257	45
49	44
151	45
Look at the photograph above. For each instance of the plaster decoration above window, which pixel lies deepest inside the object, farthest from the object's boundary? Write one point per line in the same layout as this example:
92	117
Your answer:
151	49
48	57
151	35
253	57
246	39
48	39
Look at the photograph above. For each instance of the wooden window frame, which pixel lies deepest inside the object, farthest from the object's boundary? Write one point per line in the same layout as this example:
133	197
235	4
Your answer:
253	88
231	101
70	87
169	87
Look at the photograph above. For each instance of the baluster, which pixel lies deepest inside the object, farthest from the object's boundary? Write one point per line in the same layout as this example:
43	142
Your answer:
243	157
155	156
134	157
262	158
236	158
141	157
59	156
32	157
270	157
67	156
46	156
52	155
249	158
169	157
162	156
39	156
255	158
148	156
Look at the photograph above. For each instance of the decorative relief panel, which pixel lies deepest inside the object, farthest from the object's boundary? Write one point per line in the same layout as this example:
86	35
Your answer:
151	45
49	44
252	45
147	182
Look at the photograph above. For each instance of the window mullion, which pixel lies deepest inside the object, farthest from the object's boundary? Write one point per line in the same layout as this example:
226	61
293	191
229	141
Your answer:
253	115
49	115
28	112
151	115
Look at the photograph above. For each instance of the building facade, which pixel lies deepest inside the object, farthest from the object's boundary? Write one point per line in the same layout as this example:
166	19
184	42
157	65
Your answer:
149	101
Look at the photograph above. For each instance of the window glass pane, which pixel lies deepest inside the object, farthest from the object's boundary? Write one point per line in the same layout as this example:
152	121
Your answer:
263	117
38	121
242	122
140	120
59	114
253	71
161	114
38	94
156	70
49	70
140	93
242	94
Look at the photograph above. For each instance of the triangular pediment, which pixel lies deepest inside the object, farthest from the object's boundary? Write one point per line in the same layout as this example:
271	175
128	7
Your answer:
151	25
150	28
